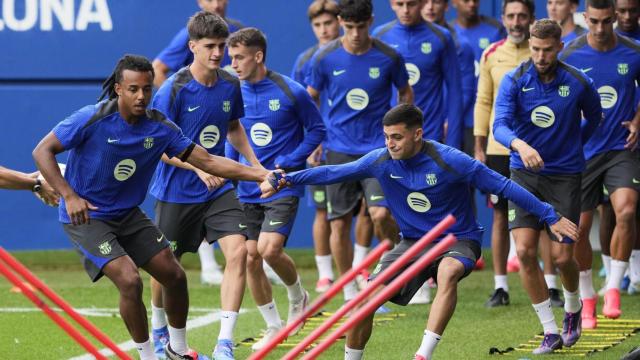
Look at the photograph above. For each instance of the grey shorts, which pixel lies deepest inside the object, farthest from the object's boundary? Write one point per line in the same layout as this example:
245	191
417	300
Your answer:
561	191
344	198
274	216
318	196
101	241
609	171
185	225
467	251
499	164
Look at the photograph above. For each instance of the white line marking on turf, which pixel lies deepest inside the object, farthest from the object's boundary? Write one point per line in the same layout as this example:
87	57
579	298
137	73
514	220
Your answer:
191	324
93	311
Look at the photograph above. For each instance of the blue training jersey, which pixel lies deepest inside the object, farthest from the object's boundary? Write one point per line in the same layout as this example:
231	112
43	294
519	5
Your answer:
486	32
429	52
577	32
283	126
111	162
614	73
547	116
635	35
203	113
178	55
467	75
424	189
359	89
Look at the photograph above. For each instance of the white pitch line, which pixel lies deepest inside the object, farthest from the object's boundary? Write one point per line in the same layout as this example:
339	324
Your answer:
191	324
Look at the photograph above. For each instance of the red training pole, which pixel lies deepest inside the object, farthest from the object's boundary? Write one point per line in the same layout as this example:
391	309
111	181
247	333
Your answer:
62	323
379	280
383	296
33	280
374	255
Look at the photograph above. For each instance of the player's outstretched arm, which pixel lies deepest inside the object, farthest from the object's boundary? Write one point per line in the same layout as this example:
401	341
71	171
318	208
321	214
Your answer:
45	157
221	166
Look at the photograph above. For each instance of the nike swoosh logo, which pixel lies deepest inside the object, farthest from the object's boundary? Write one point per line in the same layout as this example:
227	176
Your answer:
272	223
524	89
376	197
190	109
160	238
111	141
395	46
395	177
635	181
586	70
338	72
242	226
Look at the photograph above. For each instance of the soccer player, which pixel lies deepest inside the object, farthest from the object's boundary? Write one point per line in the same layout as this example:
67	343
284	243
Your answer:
323	16
628	14
419	202
357	72
206	103
540	102
171	59
178	55
500	58
428	51
562	11
613	62
434	11
16	180
114	148
284	126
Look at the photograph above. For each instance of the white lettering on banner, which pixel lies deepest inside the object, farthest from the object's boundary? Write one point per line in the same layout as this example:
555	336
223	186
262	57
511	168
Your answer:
89	12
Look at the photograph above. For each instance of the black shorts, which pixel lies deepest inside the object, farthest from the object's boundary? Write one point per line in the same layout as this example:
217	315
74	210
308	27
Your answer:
344	198
185	225
467	251
608	172
274	216
101	241
468	142
562	191
499	164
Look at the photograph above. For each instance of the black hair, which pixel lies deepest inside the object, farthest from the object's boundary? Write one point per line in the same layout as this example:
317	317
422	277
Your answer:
128	62
249	37
601	4
356	10
528	3
206	25
407	114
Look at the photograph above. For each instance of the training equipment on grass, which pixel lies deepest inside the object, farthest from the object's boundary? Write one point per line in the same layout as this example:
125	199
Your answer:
609	333
374	255
10	265
394	268
384	295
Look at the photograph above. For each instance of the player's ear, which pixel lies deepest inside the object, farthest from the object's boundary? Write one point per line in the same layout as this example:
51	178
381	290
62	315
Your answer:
117	88
192	46
259	56
417	135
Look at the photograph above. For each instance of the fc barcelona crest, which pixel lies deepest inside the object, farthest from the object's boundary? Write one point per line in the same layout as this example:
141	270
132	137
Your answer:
374	72
226	106
483	43
432	179
425	47
623	68
563	90
105	248
274	104
148	143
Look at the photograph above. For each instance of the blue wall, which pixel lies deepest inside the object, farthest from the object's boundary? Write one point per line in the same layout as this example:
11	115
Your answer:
53	63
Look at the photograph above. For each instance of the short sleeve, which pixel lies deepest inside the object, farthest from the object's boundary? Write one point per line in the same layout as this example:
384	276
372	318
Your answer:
72	131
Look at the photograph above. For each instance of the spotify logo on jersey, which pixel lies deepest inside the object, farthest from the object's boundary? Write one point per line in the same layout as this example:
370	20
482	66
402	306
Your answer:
124	169
414	73
261	134
418	202
543	117
209	136
357	99
608	96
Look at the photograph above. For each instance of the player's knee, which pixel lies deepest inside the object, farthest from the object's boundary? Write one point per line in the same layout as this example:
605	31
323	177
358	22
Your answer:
528	256
254	260
131	286
626	214
563	260
379	215
272	253
238	256
450	272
